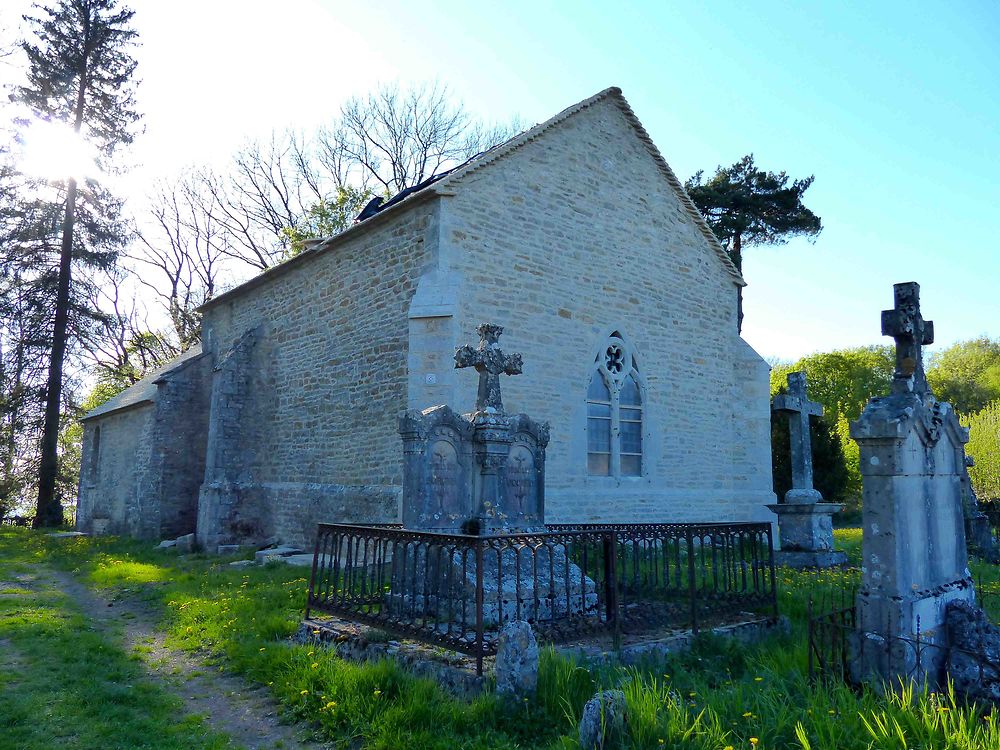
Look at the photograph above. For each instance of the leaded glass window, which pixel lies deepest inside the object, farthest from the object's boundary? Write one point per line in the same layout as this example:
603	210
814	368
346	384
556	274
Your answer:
614	412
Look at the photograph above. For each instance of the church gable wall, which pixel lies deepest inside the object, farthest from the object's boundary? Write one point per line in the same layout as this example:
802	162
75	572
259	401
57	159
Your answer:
569	238
315	434
116	474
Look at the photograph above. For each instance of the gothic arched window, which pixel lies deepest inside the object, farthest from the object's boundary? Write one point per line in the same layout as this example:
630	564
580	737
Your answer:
614	412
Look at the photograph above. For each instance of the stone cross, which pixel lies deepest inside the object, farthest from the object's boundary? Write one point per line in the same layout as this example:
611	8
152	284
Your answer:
799	408
490	362
905	324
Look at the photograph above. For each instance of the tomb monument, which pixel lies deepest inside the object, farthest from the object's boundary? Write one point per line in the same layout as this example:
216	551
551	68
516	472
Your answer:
805	522
914	555
482	474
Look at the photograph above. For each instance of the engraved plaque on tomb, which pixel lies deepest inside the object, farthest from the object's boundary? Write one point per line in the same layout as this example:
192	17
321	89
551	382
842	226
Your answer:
522	495
437	470
443	477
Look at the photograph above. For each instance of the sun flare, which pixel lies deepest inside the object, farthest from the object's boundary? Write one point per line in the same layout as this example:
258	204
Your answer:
52	151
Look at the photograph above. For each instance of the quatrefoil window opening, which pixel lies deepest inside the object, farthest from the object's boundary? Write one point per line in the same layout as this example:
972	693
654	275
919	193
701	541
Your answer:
614	412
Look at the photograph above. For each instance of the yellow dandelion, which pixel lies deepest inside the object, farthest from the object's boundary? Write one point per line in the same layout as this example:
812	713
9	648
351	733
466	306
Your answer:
758	679
747	714
754	741
263	648
377	692
314	665
303	692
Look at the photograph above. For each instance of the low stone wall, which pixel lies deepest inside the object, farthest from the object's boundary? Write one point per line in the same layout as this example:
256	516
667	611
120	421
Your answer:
456	672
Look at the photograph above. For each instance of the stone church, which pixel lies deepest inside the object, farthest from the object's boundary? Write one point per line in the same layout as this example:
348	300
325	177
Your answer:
575	236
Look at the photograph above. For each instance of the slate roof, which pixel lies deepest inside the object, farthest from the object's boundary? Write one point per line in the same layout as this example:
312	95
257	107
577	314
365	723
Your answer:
448	182
145	390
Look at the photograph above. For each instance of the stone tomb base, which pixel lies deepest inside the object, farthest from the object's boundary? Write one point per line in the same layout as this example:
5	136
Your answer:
905	636
535	584
804	560
806	533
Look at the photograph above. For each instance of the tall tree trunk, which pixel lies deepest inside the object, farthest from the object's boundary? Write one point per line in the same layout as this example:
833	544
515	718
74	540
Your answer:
736	254
49	510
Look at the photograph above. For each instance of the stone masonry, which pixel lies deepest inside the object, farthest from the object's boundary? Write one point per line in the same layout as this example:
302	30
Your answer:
574	230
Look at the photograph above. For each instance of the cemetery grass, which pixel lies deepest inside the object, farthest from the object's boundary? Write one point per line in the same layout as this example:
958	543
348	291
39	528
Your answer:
718	696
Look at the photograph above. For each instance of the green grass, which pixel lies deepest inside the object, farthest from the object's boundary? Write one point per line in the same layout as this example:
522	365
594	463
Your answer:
63	684
718	695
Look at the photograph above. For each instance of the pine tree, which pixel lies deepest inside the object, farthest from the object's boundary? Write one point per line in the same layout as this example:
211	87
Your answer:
747	206
80	73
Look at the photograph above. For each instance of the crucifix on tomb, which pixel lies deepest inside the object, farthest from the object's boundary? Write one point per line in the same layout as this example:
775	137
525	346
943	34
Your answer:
490	362
905	324
799	408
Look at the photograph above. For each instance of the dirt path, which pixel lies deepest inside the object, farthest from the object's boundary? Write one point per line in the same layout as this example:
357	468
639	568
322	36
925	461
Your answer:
246	713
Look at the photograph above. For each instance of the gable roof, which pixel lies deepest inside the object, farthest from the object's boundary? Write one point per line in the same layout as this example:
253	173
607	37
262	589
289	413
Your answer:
144	391
448	182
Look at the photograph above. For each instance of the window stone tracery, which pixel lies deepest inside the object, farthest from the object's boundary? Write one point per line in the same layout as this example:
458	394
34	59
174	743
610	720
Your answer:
615	411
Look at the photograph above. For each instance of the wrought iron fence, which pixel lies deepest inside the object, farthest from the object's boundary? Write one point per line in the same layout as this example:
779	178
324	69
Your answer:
839	651
456	590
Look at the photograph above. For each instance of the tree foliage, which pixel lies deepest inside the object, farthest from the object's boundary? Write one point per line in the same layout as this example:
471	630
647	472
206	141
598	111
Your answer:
328	217
984	447
747	206
967	374
842	380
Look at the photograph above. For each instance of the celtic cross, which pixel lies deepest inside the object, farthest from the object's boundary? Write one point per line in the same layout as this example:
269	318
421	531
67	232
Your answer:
905	324
490	362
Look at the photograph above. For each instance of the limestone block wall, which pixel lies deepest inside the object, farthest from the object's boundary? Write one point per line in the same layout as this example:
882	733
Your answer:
116	471
577	234
181	426
316	424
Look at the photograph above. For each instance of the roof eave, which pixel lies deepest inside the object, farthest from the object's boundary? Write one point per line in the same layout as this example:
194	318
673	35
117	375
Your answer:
90	416
318	247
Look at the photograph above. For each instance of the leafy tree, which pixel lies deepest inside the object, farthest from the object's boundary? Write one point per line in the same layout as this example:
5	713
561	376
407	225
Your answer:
327	217
842	380
967	374
79	74
746	206
984	447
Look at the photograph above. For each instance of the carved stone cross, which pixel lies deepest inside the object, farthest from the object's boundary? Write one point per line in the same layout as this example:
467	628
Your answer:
905	324
799	408
490	362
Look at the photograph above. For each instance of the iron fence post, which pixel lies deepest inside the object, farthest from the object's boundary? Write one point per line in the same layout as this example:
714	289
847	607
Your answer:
770	562
611	583
692	587
479	606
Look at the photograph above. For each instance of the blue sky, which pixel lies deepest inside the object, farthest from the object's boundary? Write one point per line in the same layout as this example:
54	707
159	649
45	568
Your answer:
894	107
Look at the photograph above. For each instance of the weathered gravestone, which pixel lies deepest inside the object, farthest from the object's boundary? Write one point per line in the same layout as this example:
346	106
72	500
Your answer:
914	556
482	473
805	522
